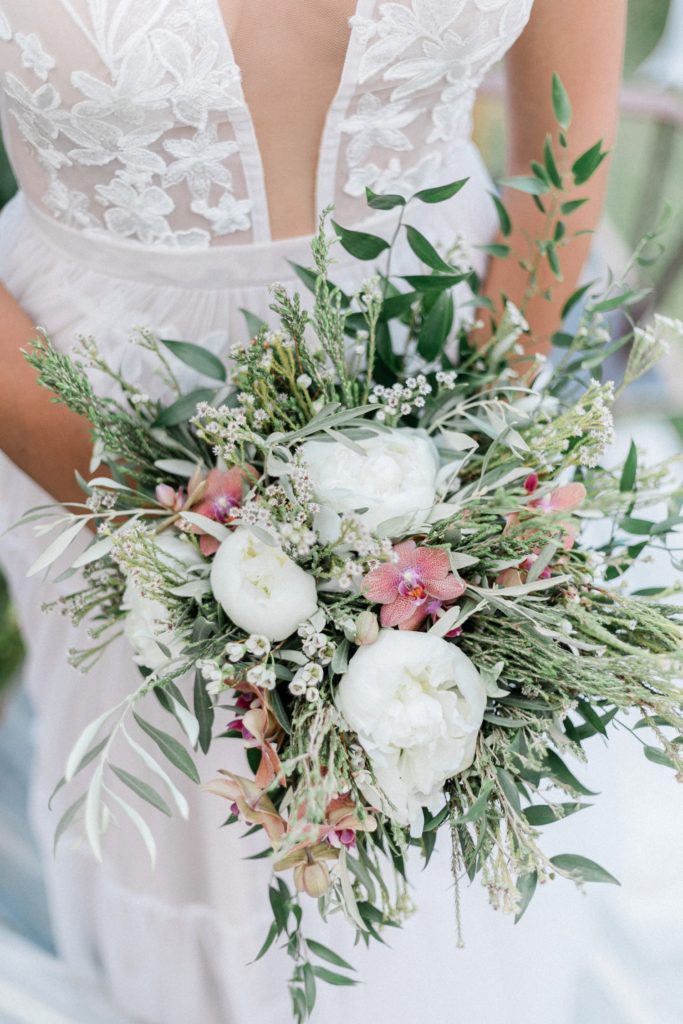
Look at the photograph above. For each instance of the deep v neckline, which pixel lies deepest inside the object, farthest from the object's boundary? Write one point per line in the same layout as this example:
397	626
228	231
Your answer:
246	131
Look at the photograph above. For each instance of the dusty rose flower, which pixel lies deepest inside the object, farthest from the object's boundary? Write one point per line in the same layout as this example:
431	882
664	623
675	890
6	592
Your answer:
407	586
566	498
251	801
222	495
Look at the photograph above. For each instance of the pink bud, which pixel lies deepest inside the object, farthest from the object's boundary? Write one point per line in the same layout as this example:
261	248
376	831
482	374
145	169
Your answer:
165	495
312	878
531	483
367	628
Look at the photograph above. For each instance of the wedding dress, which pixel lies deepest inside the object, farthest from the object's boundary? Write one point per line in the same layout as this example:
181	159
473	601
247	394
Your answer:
160	145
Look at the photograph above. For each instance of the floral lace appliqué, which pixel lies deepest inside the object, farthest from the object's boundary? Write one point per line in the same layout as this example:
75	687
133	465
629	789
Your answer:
134	118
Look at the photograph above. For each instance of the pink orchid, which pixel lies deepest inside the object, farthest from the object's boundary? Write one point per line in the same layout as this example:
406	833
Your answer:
260	729
404	587
342	822
222	495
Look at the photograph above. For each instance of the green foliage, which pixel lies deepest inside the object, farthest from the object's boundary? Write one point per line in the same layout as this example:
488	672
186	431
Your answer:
11	645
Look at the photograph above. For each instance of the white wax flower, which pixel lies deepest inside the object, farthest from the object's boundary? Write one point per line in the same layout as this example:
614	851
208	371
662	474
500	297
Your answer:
394	475
417	704
260	589
147	620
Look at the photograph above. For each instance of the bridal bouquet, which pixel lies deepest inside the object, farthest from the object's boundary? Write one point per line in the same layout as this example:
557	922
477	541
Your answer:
364	552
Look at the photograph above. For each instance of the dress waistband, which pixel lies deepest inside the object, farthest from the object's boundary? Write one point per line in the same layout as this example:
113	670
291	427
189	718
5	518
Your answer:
220	267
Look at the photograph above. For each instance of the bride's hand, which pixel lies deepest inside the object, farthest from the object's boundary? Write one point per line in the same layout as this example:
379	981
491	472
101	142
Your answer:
44	439
583	42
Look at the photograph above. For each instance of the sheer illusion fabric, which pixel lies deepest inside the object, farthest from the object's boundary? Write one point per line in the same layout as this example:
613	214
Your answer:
172	157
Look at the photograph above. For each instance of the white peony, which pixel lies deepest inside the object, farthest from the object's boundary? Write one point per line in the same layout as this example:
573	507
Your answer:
260	589
395	475
417	704
147	620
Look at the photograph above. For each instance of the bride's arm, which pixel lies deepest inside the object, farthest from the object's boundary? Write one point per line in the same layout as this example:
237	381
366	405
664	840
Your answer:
44	439
583	42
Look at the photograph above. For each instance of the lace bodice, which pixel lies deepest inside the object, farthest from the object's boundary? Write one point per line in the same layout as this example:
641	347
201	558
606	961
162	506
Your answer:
127	118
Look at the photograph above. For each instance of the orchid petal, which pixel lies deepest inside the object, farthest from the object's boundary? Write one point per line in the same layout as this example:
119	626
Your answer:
400	610
432	563
446	590
567	498
381	584
415	620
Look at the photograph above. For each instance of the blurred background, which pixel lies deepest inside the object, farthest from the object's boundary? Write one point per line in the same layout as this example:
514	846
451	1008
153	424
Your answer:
625	986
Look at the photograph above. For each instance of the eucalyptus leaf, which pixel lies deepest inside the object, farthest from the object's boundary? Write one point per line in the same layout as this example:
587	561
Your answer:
628	476
582	868
433	282
170	748
658	756
178	798
140	824
183	408
383	202
189	723
587	164
526	886
359	243
273	933
562	107
177	467
100	548
557	769
324	953
503	215
526	183
203	710
142	789
198	358
57	547
206	525
425	251
93	812
543	814
83	763
507	784
436	328
441	192
66	819
78	753
331	977
478	808
254	323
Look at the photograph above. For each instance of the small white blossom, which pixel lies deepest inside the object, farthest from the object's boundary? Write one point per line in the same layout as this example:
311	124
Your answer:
215	687
234	651
258	645
261	676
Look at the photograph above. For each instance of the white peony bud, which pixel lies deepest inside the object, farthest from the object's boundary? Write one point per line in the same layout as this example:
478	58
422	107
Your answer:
260	588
